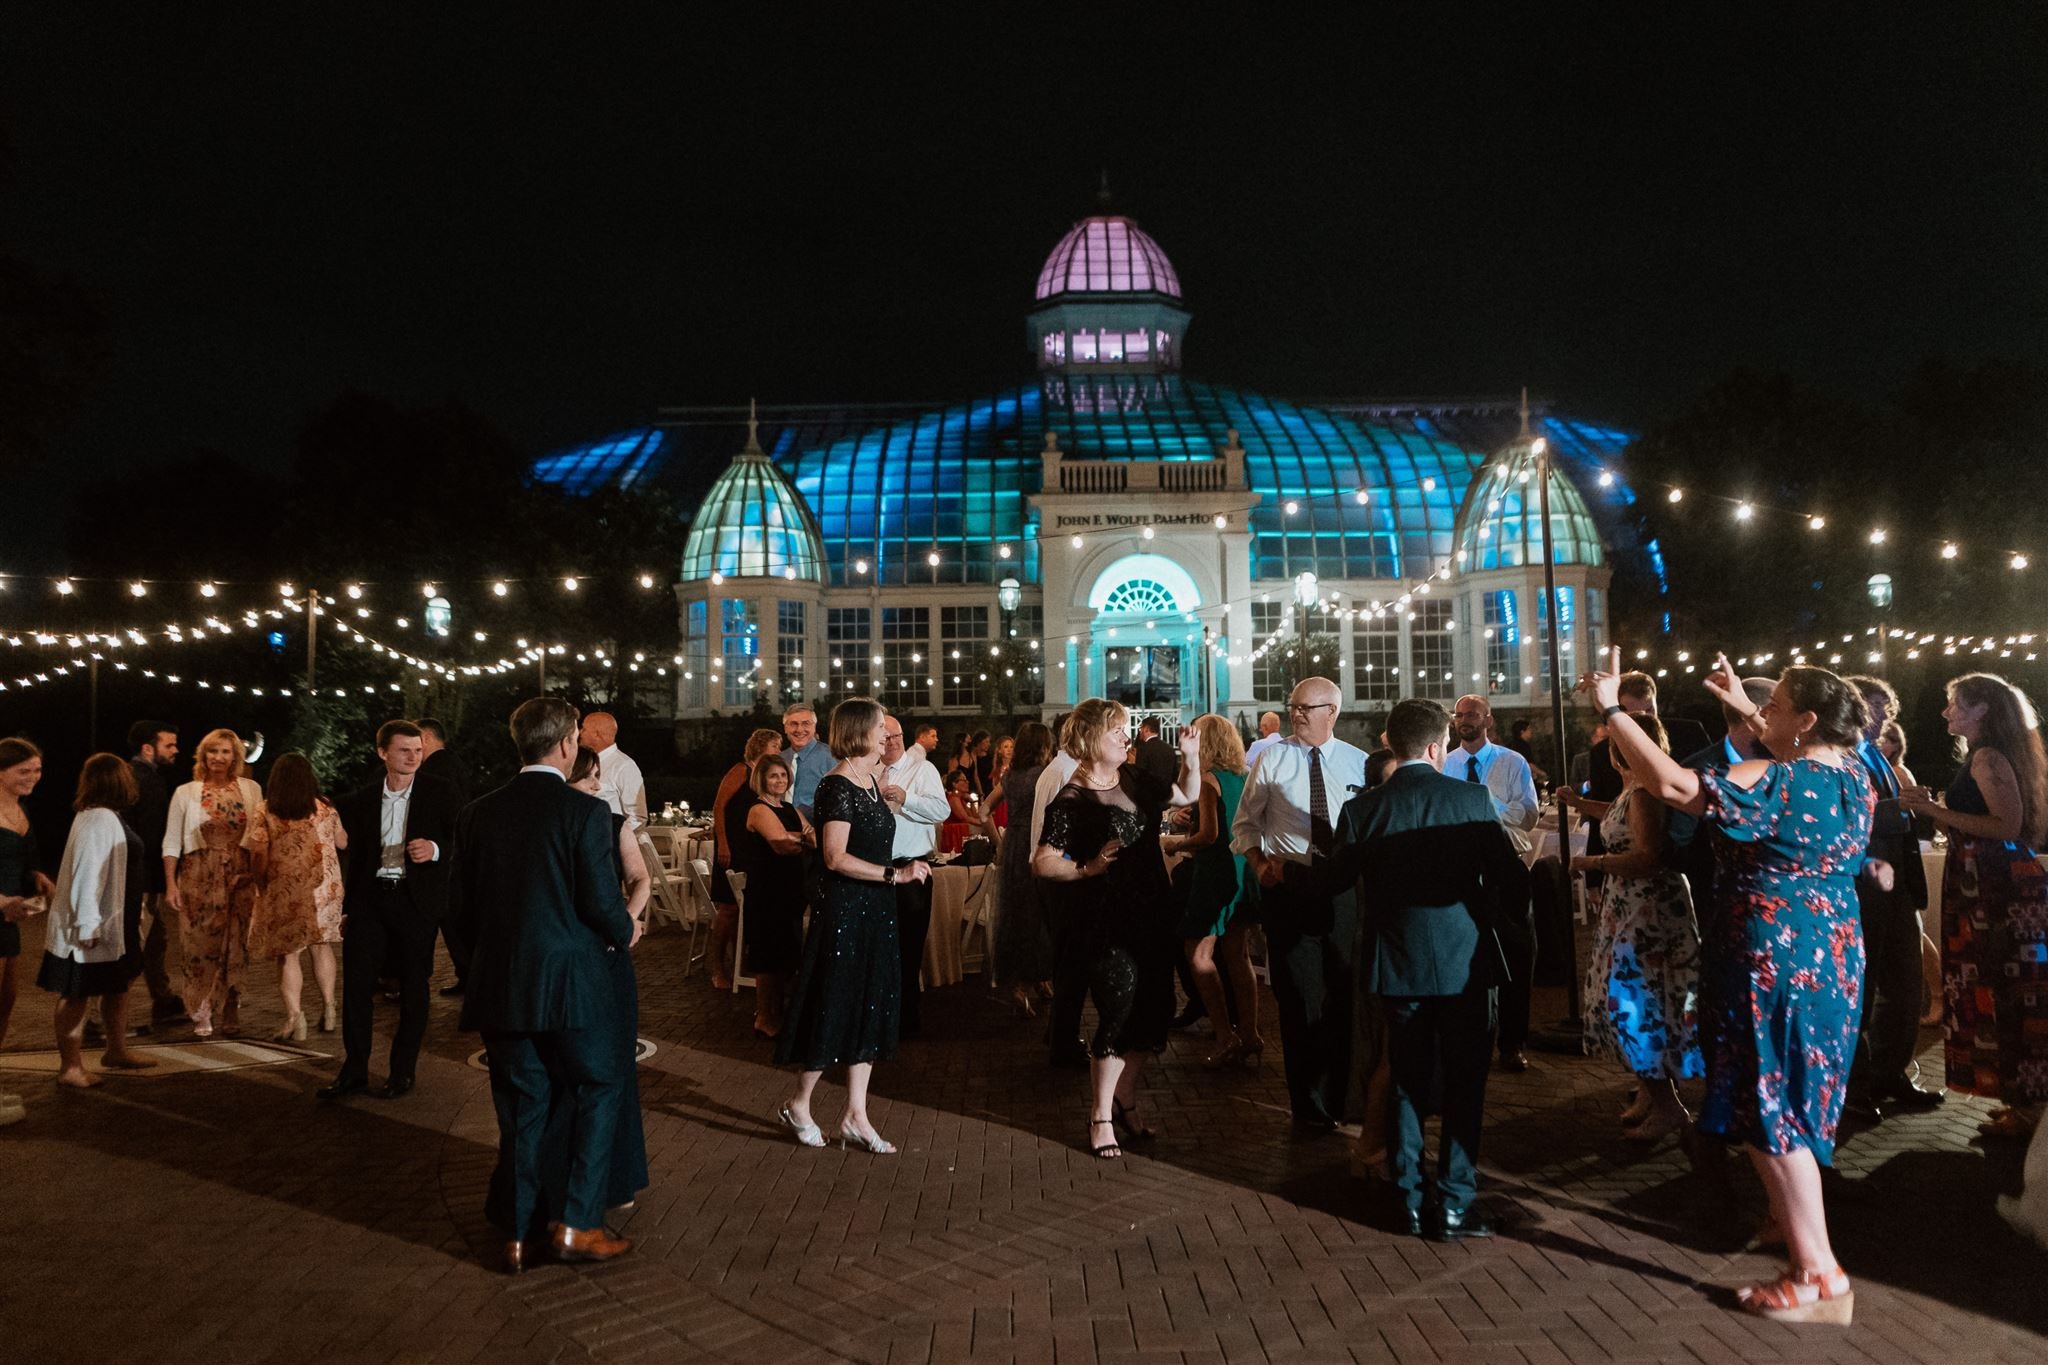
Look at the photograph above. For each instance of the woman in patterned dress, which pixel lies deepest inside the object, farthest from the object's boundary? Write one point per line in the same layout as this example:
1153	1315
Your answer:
294	845
1642	986
1994	902
207	882
1215	936
1787	956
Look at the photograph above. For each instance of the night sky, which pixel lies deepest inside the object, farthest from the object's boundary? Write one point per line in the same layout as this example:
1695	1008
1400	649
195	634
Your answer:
567	222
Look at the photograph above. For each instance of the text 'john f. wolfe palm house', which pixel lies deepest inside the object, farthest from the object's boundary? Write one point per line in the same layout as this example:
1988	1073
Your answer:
1115	527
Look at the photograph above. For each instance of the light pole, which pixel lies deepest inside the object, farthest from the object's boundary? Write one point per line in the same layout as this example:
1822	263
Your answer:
1009	596
1307	593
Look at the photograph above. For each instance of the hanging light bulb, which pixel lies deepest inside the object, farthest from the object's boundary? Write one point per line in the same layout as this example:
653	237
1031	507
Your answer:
499	589
1877	536
1816	523
860	566
1678	495
1743	511
1003	551
1606	479
138	590
570	584
1950	550
2019	561
1148	533
1291	507
207	590
64	588
1075	542
647	580
1221	521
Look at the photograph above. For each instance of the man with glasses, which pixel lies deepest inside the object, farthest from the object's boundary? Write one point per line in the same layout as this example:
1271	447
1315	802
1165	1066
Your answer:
1284	826
1505	774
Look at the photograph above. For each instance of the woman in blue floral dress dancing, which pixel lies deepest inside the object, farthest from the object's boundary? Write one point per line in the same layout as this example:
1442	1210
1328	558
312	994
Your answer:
1788	955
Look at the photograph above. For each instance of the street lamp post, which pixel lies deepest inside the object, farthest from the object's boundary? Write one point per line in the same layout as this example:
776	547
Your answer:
1009	596
1307	593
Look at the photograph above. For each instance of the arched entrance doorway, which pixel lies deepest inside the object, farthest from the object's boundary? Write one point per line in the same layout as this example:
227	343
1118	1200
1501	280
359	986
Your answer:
1146	638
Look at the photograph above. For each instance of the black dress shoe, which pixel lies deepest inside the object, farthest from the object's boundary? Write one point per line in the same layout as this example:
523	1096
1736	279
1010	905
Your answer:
1517	1060
343	1086
1862	1104
1457	1225
515	1258
449	992
1911	1098
398	1087
1314	1121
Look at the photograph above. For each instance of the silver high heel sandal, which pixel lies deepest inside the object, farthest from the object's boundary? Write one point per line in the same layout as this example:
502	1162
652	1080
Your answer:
806	1133
876	1144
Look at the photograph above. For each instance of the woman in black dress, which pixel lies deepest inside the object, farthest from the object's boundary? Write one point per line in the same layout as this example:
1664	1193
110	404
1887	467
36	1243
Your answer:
21	878
770	848
1101	838
1023	942
847	1009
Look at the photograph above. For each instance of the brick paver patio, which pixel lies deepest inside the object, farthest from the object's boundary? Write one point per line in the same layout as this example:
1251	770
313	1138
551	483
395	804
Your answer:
225	1216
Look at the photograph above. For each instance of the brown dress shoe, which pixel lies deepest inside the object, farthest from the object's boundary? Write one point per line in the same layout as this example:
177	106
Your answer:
593	1244
515	1258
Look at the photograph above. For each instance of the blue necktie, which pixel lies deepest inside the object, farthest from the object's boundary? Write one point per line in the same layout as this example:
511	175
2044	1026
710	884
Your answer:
1880	771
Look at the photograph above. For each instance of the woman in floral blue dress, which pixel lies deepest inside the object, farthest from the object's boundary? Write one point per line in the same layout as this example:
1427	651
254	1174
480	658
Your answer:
1787	955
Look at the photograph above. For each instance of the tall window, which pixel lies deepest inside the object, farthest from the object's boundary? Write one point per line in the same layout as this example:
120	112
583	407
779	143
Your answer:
1567	619
1596	624
1376	658
850	651
1430	646
1503	644
963	654
1024	652
790	641
1270	675
696	654
739	651
906	642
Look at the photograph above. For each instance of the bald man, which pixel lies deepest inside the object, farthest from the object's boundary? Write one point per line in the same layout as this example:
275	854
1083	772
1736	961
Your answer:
1269	735
1285	824
619	784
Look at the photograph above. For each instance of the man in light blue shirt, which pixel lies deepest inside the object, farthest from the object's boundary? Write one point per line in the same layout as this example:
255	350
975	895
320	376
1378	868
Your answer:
1505	775
809	756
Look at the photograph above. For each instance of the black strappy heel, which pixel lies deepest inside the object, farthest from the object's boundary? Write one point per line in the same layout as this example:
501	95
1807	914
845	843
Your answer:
1133	1134
1108	1151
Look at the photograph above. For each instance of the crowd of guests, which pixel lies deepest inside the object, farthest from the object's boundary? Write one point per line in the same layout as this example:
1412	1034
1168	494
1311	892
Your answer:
1758	904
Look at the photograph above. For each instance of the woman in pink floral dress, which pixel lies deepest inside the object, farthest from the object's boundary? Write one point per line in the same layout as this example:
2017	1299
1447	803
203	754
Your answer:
206	879
295	845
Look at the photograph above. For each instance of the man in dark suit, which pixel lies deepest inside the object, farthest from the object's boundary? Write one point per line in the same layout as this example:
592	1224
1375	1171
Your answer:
538	899
401	844
1430	861
1154	755
1891	933
442	765
154	744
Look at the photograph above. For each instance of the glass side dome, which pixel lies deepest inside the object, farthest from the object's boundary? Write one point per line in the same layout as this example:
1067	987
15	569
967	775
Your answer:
1500	525
753	524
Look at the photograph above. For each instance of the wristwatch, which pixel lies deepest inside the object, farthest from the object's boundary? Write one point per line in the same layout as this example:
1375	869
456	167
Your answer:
1610	712
889	874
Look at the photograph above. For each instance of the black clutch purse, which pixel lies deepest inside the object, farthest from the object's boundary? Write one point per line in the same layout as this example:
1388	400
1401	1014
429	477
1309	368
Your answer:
979	851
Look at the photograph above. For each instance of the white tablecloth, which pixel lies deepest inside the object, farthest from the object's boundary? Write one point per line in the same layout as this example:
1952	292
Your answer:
958	894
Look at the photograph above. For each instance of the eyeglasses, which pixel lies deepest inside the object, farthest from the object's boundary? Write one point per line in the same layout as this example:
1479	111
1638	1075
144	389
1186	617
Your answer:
1309	708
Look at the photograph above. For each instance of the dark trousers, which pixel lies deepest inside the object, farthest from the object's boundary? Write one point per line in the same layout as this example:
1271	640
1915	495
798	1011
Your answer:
1891	984
1438	1048
913	923
156	944
458	949
1309	946
1069	974
382	925
533	1075
1521	950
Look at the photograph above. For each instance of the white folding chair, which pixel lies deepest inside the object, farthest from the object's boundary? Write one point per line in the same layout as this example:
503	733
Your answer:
979	914
663	902
700	908
738	882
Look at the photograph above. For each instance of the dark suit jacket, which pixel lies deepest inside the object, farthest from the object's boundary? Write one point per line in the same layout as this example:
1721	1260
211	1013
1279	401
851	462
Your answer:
149	815
443	766
1431	864
537	898
1157	757
431	815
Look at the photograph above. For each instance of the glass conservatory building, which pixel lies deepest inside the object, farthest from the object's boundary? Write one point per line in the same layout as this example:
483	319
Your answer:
1115	527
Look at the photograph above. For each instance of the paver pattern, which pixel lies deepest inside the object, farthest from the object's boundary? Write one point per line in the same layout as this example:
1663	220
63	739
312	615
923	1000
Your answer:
228	1217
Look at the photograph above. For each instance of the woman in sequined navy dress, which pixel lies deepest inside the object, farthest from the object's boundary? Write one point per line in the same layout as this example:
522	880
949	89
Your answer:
848	1004
1787	954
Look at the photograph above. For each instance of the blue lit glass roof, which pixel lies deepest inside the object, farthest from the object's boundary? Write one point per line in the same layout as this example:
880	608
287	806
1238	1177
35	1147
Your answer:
893	484
752	524
617	461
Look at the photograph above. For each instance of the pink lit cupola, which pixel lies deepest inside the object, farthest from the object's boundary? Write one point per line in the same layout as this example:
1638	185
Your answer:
1107	254
1108	302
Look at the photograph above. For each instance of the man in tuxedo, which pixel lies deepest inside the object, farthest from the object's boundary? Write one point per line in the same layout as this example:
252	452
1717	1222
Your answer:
538	898
1429	860
401	843
442	765
1878	1082
1154	755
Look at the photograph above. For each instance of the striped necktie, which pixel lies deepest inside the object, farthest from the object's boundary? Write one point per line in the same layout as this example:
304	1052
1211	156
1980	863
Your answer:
1321	836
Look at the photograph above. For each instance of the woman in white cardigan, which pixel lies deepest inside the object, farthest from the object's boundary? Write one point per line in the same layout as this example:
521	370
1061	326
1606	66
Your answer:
92	947
208	881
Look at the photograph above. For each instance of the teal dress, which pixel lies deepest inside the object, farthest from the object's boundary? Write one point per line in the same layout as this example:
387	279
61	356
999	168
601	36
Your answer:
1215	876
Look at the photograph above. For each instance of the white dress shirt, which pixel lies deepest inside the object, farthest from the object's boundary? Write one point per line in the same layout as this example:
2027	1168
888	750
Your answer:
1510	783
1272	815
924	806
391	822
1259	746
620	786
1059	771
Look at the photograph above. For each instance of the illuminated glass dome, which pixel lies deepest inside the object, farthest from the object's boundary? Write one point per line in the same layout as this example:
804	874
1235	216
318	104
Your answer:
753	524
1500	525
1106	254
